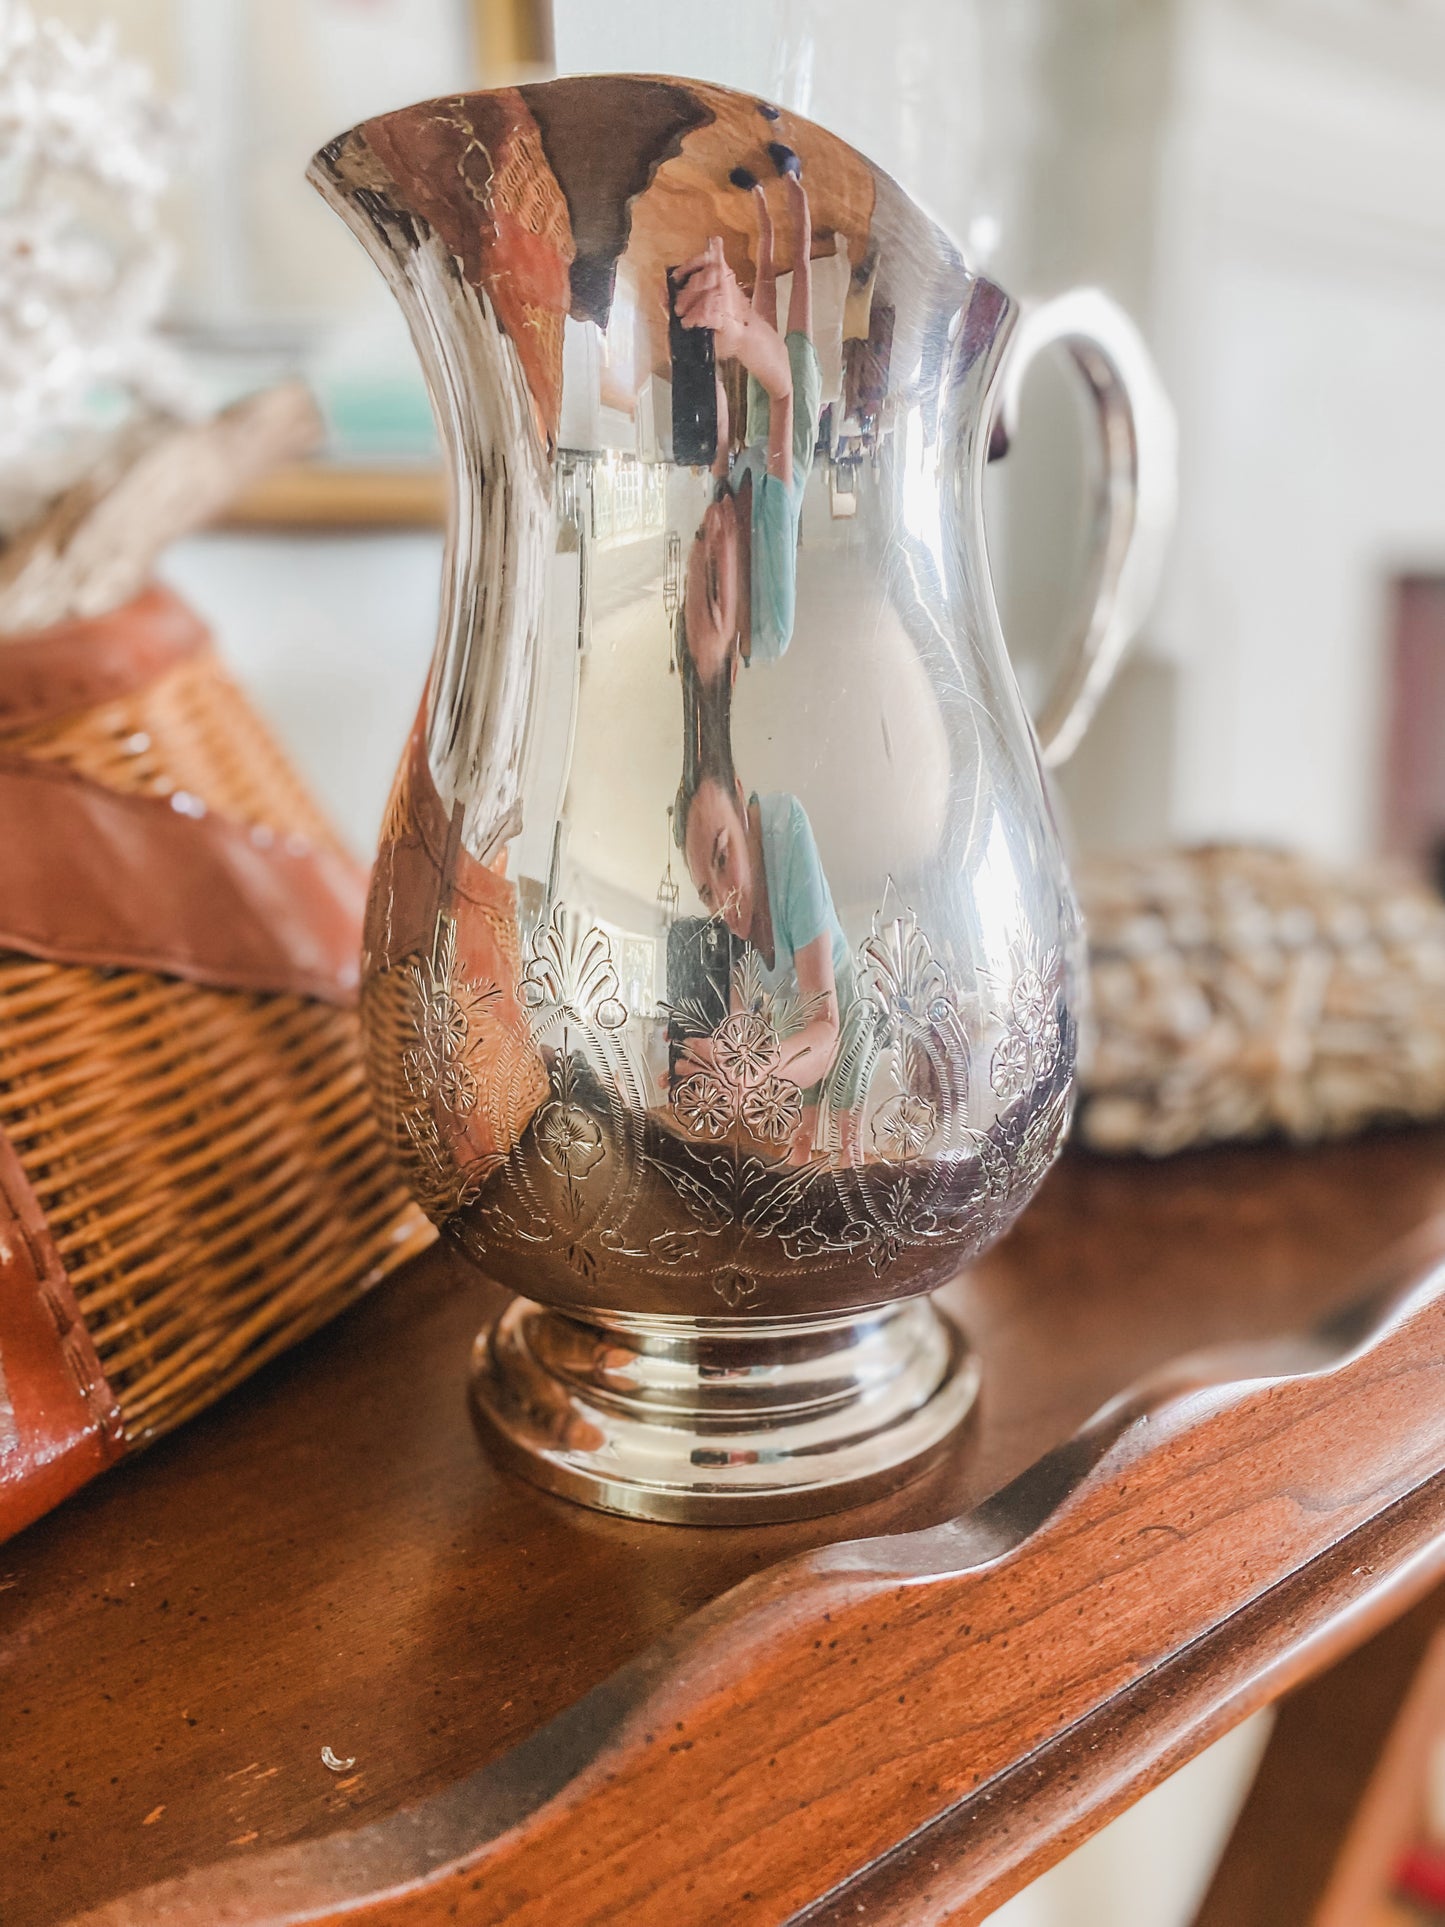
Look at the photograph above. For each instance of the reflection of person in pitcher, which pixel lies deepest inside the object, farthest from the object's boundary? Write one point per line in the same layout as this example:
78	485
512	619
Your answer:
741	585
754	863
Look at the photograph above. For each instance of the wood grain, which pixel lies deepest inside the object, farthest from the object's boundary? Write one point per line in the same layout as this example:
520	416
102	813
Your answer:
988	1846
819	1712
330	1560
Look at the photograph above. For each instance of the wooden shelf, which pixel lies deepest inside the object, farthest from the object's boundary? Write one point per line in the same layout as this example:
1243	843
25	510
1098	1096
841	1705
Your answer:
314	496
555	1715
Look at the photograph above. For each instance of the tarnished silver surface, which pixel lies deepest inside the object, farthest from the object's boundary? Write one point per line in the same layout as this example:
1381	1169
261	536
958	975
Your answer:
721	959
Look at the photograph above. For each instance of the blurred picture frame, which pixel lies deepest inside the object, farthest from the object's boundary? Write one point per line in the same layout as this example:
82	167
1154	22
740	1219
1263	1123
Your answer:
267	285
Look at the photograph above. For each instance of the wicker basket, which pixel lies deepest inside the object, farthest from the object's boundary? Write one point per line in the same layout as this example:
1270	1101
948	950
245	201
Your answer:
1243	993
205	1158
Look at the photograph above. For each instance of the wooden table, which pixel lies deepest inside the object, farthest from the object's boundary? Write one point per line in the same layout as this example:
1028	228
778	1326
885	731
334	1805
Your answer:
560	1717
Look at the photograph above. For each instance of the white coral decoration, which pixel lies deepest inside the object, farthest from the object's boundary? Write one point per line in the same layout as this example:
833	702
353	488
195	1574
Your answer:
86	152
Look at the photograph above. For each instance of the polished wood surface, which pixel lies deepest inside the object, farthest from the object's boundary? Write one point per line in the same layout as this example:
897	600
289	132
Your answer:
990	1845
843	1700
318	496
329	1559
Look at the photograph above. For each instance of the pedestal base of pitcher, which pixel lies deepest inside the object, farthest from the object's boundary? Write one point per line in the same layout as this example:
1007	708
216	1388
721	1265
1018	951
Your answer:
722	1421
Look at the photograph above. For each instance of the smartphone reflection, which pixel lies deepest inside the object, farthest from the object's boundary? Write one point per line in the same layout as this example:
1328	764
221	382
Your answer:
740	589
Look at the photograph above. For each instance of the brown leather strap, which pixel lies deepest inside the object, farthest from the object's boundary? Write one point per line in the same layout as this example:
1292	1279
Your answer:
95	659
59	1421
91	876
424	871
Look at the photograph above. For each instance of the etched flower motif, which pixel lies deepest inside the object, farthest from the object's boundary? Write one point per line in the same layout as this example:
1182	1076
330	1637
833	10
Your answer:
1046	1047
440	1186
568	1139
745	1048
885	1249
440	1067
904	1125
674	1247
773	1109
456	1087
443	1024
735	1287
1012	1161
1030	1002
571	969
703	1104
898	962
1011	1070
996	1172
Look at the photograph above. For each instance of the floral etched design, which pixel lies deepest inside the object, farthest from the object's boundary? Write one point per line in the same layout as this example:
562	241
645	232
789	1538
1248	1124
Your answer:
571	970
895	1225
441	1020
905	1126
663	1248
891	1179
772	1109
1047	1045
440	1186
905	976
921	1033
710	1106
736	1288
1013	1160
579	1259
704	1104
744	1048
439	1066
740	1083
1029	1002
1011	1071
440	1071
1028	1053
569	1140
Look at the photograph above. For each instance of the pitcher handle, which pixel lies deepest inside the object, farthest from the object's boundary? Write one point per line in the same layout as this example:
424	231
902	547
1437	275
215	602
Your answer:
1134	492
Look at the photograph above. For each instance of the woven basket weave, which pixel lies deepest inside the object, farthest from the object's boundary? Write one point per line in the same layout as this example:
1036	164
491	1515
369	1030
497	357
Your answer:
206	1158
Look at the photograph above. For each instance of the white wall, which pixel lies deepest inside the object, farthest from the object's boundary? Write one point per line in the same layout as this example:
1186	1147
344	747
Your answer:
331	637
1263	183
1301	309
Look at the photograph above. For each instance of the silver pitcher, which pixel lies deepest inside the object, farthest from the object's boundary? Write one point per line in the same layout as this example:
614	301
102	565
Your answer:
722	970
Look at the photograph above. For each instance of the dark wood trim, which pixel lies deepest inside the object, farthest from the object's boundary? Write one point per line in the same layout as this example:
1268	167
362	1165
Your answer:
987	1847
790	1734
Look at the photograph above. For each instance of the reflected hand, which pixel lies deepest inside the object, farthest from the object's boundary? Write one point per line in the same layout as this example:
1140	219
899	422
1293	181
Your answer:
698	1054
696	1057
693	1059
708	296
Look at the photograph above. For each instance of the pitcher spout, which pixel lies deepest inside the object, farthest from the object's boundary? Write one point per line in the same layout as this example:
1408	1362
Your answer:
479	267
